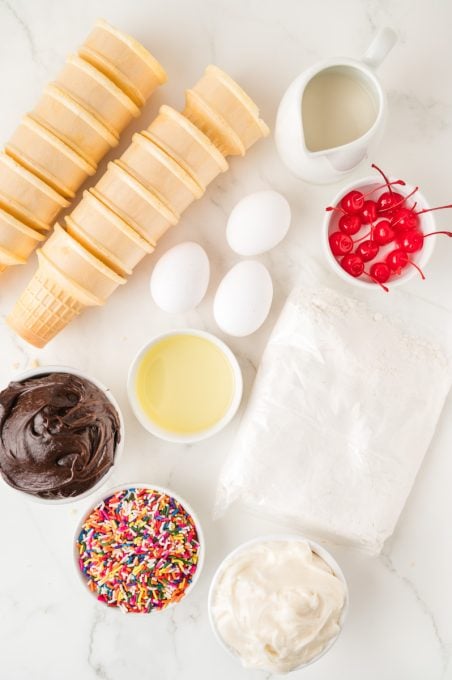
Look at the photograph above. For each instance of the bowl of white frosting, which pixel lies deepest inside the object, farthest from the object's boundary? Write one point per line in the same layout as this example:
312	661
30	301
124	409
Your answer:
278	603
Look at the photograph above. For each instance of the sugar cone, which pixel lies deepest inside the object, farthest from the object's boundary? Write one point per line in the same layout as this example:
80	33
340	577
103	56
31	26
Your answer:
95	248
30	193
49	302
213	125
106	235
232	103
22	214
9	259
74	125
160	173
190	147
137	206
17	241
81	266
111	71
41	152
97	94
124	60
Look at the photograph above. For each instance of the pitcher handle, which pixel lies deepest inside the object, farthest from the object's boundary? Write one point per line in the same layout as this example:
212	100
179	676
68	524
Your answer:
380	47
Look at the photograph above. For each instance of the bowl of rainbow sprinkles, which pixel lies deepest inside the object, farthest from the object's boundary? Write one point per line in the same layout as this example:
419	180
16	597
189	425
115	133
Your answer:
139	549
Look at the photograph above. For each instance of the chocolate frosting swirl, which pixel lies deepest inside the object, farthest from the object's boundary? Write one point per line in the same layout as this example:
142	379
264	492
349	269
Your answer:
58	435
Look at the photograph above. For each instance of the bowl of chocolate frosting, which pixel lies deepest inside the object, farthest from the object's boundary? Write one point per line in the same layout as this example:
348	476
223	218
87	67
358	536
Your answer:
61	433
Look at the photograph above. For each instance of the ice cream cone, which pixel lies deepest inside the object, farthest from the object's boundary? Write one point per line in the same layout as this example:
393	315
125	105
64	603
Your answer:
47	157
124	60
81	266
190	147
17	241
9	259
136	205
213	125
33	197
160	173
49	302
22	214
106	235
74	125
96	248
232	103
97	94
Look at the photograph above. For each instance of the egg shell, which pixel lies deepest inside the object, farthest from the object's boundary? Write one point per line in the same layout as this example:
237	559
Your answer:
243	298
258	223
180	278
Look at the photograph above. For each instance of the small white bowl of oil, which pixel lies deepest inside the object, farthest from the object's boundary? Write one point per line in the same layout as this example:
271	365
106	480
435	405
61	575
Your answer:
185	386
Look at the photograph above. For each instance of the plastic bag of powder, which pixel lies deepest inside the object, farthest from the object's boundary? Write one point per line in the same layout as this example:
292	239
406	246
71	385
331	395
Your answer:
342	412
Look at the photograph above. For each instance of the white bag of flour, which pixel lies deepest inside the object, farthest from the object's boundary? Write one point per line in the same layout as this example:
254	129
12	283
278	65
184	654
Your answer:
344	407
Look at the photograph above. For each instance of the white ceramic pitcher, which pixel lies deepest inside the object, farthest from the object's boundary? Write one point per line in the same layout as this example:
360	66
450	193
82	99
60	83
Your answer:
332	164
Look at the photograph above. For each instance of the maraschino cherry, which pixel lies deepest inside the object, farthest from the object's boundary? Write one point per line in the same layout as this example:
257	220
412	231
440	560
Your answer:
380	271
340	243
406	218
350	224
389	198
354	265
353	201
391	221
383	233
367	250
369	212
398	259
413	240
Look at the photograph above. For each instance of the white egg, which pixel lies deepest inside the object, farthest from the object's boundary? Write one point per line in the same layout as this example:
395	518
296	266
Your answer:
180	278
258	223
243	298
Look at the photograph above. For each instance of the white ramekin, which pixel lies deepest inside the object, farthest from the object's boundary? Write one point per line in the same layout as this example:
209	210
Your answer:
44	370
154	429
153	487
316	548
421	258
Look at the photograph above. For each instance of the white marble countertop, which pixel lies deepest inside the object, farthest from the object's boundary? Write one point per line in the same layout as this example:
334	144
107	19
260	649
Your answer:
399	626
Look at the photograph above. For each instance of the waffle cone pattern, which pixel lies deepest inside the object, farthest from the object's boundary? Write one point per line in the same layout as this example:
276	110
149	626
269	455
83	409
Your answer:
141	195
47	305
77	120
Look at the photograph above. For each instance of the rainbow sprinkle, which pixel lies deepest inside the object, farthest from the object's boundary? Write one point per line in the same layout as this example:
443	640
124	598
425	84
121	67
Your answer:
139	550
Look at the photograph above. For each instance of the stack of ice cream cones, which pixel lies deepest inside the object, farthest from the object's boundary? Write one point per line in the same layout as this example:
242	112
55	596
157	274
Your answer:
140	196
75	123
224	112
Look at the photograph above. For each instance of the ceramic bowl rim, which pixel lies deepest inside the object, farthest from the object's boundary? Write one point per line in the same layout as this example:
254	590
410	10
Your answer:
153	487
190	438
409	272
60	368
285	537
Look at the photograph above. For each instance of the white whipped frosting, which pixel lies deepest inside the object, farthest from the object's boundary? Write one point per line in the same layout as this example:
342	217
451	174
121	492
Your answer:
277	604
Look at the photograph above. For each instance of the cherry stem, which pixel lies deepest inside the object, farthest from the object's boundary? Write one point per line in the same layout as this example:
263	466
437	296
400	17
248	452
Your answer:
426	210
388	184
385	288
416	267
393	207
432	233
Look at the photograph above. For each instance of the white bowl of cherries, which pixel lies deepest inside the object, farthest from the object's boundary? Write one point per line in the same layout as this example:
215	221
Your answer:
378	233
